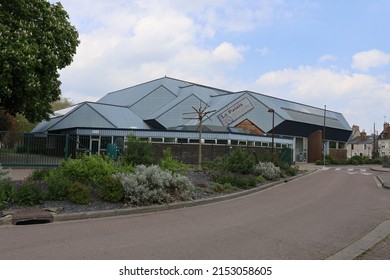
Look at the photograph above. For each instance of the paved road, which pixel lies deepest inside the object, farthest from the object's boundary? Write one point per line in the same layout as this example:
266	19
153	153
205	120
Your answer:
309	218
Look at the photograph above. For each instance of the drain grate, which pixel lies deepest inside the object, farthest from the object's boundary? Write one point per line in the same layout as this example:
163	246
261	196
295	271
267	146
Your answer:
31	216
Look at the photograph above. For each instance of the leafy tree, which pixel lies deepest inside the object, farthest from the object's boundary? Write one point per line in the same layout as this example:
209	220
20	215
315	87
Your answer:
62	103
36	40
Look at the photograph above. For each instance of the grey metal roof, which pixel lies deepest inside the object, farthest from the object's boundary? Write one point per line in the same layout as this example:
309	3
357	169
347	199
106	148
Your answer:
131	95
298	112
166	100
93	115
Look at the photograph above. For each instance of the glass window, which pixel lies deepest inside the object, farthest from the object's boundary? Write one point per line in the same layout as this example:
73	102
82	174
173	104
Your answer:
332	144
182	140
222	142
104	141
209	141
83	142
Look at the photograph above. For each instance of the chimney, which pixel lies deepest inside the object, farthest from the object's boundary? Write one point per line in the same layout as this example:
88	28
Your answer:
386	125
363	135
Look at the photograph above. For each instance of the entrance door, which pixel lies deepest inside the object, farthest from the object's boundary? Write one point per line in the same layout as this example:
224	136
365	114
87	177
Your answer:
300	150
95	145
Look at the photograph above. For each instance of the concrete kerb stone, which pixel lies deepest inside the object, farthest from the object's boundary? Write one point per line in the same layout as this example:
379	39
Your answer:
383	179
363	244
7	220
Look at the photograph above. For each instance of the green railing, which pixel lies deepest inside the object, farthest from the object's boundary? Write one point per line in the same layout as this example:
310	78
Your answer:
28	149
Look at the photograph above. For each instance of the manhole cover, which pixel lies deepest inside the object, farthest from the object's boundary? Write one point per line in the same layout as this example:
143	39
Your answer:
31	216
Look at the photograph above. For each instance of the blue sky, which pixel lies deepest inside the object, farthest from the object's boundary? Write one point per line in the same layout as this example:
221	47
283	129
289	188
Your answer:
334	53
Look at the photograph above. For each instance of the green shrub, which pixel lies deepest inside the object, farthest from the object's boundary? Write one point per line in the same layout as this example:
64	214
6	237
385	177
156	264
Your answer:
260	179
39	174
268	170
138	152
9	191
237	160
171	164
236	180
30	193
57	185
3	198
79	193
151	185
223	188
88	169
110	189
5	185
287	170
4	175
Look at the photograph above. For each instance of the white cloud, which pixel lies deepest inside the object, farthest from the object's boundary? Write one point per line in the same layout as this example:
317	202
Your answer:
353	94
327	58
370	59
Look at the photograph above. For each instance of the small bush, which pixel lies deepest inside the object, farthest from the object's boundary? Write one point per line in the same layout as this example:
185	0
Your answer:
287	170
237	160
3	198
39	174
88	169
169	163
223	188
5	184
110	189
260	179
4	175
151	185
268	170
57	185
236	180
30	193
79	193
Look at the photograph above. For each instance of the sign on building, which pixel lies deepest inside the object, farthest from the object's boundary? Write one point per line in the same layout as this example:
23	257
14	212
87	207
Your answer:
235	111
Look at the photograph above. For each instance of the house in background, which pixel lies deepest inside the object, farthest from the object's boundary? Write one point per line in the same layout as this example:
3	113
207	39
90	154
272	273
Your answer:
158	110
360	144
384	141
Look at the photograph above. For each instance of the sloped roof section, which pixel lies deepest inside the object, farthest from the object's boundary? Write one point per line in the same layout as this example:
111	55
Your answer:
130	96
293	111
93	115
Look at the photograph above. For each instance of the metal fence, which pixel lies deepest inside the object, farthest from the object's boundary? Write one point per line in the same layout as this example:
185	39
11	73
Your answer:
30	149
27	149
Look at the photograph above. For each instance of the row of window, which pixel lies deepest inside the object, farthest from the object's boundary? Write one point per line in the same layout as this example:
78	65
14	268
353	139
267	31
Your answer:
100	142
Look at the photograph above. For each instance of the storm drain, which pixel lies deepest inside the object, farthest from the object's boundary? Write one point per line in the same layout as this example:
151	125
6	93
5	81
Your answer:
31	216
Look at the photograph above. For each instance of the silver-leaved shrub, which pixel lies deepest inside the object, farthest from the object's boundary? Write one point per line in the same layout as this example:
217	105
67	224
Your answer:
151	185
268	170
4	175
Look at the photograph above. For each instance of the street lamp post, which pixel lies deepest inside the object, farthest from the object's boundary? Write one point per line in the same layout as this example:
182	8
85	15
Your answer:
273	132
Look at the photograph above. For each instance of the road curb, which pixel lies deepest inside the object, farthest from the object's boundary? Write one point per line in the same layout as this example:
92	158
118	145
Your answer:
383	183
363	244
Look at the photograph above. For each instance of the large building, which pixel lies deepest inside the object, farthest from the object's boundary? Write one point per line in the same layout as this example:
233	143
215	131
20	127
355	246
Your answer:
164	110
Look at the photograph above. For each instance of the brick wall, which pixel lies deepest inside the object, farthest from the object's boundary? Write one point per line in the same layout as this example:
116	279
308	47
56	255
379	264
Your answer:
338	154
188	153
